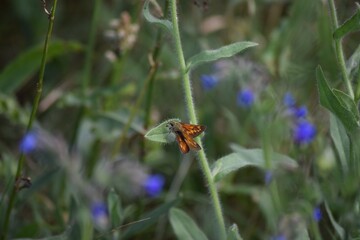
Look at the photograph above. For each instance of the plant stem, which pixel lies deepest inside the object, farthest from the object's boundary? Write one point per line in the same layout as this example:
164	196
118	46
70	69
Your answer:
36	102
339	50
134	110
192	117
87	69
150	89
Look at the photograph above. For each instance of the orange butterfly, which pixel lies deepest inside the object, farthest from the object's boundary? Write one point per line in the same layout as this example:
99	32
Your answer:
185	134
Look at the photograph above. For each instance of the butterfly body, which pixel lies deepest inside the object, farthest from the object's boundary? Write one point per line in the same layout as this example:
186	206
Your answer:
185	134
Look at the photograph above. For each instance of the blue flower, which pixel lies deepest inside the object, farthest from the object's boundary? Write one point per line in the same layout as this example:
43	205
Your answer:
154	184
317	215
245	98
301	112
99	214
28	143
289	100
268	177
304	132
279	237
208	81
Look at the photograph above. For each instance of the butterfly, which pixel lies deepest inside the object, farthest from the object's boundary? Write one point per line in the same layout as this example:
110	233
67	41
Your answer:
185	134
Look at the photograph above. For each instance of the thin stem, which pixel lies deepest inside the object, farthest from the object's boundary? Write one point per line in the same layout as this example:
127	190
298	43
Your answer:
150	89
339	50
87	69
192	117
36	102
90	47
134	110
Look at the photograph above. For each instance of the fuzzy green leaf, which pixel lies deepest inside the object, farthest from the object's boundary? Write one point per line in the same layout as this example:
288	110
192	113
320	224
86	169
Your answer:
350	25
233	233
341	141
25	66
348	103
248	157
213	55
150	18
184	227
160	133
338	103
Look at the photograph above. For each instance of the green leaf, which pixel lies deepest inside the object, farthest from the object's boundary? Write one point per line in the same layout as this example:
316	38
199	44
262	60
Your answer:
148	219
213	55
248	157
115	208
150	18
233	233
338	229
184	227
337	103
341	141
354	150
25	66
352	65
160	133
350	25
348	103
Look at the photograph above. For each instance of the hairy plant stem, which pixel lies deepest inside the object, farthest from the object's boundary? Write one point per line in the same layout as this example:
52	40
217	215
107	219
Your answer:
339	50
36	102
192	117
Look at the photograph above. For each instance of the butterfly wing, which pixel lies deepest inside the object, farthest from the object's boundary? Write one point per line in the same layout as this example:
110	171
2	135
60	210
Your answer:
192	130
191	143
184	148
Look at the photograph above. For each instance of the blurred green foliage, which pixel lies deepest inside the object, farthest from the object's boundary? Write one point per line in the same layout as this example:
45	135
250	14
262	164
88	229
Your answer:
81	160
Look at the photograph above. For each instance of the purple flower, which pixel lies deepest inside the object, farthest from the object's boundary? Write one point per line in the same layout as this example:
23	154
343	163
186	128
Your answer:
304	132
208	81
99	214
300	112
154	184
289	100
28	143
268	177
317	215
245	98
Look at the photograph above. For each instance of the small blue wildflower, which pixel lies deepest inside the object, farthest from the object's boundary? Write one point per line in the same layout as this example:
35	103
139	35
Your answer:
301	112
304	132
289	100
268	177
317	215
154	184
279	237
245	98
28	143
208	81
99	213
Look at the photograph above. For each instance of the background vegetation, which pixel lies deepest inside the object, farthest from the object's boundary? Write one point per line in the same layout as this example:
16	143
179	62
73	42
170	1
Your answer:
111	76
